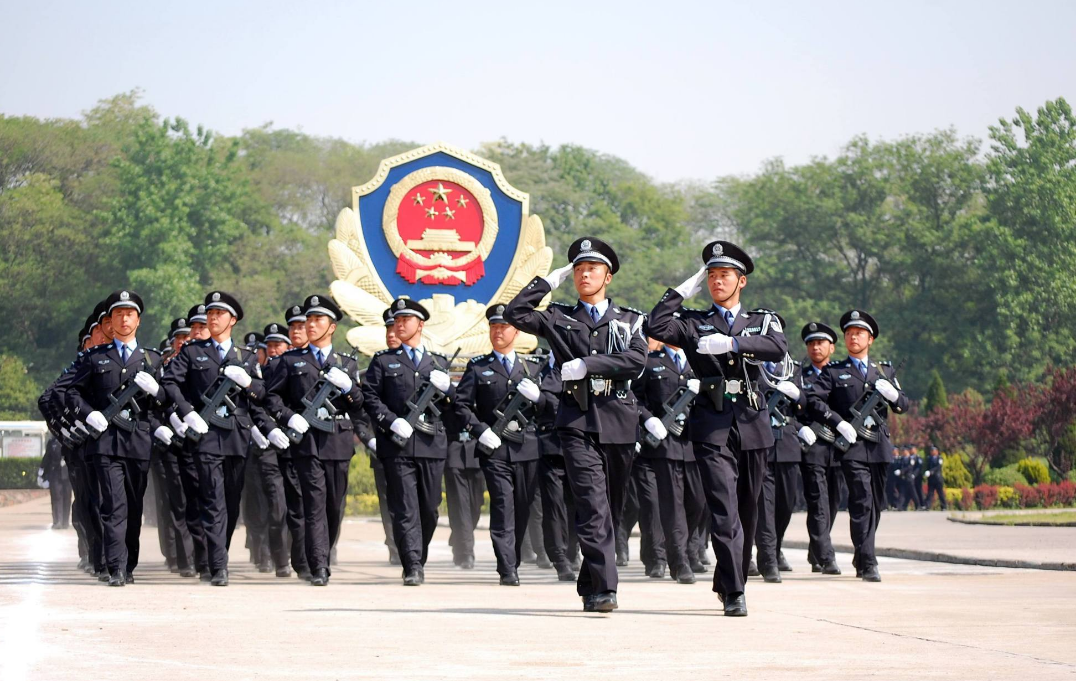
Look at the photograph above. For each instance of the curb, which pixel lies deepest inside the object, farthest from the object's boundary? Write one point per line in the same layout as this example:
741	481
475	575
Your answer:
935	557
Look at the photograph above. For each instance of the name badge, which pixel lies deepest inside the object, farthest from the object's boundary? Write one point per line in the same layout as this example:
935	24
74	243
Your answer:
487	373
706	327
845	377
395	365
658	368
299	365
201	358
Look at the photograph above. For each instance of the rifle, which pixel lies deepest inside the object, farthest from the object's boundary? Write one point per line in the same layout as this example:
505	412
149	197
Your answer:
324	393
822	432
864	416
507	427
776	405
675	414
416	407
217	399
119	402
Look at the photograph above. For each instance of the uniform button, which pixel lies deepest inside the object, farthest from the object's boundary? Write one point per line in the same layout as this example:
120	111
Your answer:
732	361
123	371
416	374
593	352
594	334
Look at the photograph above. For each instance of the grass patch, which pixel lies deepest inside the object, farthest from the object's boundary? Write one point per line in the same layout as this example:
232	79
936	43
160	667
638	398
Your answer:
1061	519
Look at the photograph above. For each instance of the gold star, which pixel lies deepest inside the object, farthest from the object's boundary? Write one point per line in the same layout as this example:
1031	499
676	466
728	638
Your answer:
449	213
462	202
440	194
419	198
431	213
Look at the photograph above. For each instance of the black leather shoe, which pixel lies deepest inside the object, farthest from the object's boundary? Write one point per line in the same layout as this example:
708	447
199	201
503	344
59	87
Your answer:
815	567
697	567
284	571
565	573
130	578
782	564
304	575
412	578
871	574
736	606
220	577
205	575
544	563
265	567
530	557
187	573
657	572
421	575
332	556
771	575
685	575
117	578
511	579
588	603
605	602
467	563
830	568
752	570
102	576
83	563
319	577
621	560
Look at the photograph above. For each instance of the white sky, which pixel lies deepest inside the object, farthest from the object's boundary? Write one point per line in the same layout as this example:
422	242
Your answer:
680	90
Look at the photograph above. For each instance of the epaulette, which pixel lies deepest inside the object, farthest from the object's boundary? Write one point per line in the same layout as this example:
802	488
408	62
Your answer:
655	353
476	358
382	352
294	351
632	309
563	305
154	351
100	346
536	359
762	310
835	363
204	343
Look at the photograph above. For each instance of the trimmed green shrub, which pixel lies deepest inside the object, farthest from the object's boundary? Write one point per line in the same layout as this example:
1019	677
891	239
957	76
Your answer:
1007	476
1034	470
360	477
954	471
19	473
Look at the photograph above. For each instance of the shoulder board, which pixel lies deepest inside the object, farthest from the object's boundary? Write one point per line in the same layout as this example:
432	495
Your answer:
886	363
439	354
478	358
835	363
101	346
655	354
536	360
294	351
632	309
153	351
762	310
562	306
269	360
382	352
204	343
692	309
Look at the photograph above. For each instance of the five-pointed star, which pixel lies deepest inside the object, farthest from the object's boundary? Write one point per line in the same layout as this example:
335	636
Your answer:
462	202
440	193
449	213
419	198
431	213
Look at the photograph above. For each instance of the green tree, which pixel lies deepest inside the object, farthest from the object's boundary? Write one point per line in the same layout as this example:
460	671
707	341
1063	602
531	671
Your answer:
936	396
18	392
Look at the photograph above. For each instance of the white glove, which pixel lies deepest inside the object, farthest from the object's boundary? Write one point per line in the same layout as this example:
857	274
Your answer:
557	277
692	284
573	370
41	481
529	389
788	388
196	423
808	436
845	428
715	344
340	379
258	438
147	383
298	424
656	428
97	421
178	427
886	388
694	385
371	444
926	475
402	428
279	439
164	434
489	439
440	380
238	375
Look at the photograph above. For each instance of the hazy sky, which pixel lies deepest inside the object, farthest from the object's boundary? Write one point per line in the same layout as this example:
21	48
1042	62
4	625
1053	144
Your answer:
681	90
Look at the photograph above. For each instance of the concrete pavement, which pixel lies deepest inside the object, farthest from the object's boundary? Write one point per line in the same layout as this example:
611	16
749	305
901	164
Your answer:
925	620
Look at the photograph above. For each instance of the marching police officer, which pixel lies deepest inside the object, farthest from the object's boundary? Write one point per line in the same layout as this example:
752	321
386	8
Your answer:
382	486
935	478
600	348
668	381
558	505
839	387
326	440
54	474
412	447
730	429
199	369
120	450
509	459
821	479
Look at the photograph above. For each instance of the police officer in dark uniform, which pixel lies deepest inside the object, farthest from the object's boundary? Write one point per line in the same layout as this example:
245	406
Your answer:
121	451
682	505
221	447
600	348
558	505
935	478
509	464
730	428
54	474
915	477
255	502
821	479
837	390
414	469
464	489
369	438
324	453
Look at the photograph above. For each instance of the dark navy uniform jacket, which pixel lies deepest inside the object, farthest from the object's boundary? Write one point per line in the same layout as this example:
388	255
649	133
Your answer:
613	415
546	415
98	373
660	382
293	376
786	448
192	371
820	453
838	389
684	330
391	380
483	387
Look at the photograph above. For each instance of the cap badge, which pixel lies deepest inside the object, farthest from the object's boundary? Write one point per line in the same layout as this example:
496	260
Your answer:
400	305
718	250
314	300
500	309
124	295
814	327
855	314
585	245
216	297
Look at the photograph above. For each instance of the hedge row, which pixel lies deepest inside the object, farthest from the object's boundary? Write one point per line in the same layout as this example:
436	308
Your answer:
986	497
18	473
